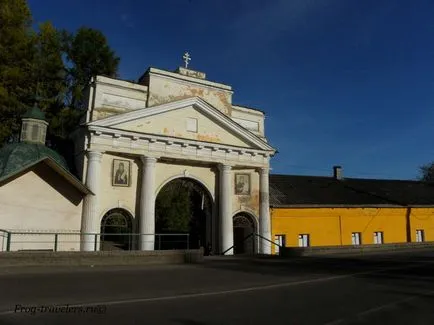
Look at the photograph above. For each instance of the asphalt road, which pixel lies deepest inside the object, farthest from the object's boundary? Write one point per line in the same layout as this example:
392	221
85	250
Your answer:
379	289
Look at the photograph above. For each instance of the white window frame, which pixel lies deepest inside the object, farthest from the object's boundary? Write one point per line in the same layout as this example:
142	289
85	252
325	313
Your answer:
191	124
378	237
279	240
356	238
420	235
303	240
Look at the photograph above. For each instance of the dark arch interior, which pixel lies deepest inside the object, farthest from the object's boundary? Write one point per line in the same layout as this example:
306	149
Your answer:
116	229
244	241
182	206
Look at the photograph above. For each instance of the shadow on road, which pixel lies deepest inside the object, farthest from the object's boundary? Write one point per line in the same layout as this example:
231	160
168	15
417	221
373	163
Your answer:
187	322
412	272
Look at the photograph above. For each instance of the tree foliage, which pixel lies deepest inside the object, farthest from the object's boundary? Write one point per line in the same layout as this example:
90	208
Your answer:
16	64
88	54
57	65
173	213
50	74
427	172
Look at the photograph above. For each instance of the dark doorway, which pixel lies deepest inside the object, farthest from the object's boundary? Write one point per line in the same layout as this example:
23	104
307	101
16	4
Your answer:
243	227
116	229
183	206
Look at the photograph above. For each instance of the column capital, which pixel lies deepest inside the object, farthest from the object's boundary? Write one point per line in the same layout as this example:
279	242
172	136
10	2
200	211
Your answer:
94	155
148	160
224	167
263	170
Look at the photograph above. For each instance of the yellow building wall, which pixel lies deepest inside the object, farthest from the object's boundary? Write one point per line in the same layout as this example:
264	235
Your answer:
334	226
423	219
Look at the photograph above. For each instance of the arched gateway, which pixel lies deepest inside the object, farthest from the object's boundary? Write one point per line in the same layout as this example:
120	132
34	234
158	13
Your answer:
116	230
170	125
244	234
183	206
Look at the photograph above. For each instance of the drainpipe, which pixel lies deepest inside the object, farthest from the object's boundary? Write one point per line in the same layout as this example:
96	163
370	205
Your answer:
408	224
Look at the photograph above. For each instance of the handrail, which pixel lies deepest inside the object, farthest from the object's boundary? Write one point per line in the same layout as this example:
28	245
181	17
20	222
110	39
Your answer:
233	246
92	237
247	237
89	233
266	239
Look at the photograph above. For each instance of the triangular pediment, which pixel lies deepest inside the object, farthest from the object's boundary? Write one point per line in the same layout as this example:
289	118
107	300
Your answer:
191	119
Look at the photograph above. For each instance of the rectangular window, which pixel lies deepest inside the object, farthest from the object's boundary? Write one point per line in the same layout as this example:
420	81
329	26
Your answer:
42	134
420	236
303	240
191	124
279	240
378	237
35	132
24	131
356	238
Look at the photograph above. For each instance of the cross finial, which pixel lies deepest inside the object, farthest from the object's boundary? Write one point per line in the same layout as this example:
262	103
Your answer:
186	58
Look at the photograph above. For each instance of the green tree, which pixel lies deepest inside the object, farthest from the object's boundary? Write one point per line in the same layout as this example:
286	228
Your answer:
88	55
427	172
173	211
50	73
17	85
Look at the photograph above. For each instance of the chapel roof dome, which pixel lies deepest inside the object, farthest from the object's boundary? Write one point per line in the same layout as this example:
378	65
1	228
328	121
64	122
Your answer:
35	113
16	156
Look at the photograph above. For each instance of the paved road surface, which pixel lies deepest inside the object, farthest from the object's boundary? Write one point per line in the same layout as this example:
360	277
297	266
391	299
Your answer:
394	289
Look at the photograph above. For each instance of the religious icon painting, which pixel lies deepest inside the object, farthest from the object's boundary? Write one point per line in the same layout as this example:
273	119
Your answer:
121	173
242	184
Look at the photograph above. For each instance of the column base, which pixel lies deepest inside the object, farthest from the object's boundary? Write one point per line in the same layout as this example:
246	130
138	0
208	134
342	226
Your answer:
147	242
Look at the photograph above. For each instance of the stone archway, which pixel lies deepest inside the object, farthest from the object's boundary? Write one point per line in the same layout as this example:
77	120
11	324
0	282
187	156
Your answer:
183	206
116	230
244	227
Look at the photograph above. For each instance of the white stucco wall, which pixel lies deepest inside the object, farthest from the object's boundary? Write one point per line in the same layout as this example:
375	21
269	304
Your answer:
174	123
31	204
127	197
111	96
250	119
167	87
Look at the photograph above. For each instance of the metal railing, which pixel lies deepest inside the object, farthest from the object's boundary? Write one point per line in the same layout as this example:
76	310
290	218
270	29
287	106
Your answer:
254	236
63	241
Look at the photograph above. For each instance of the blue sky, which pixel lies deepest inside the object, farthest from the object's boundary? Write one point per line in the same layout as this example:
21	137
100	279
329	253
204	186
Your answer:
341	82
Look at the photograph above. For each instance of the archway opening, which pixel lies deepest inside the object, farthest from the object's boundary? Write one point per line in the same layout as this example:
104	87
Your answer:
116	230
183	206
244	238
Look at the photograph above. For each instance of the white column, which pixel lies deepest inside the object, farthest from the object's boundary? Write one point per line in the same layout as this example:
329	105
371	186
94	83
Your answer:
264	212
147	205
90	223
226	220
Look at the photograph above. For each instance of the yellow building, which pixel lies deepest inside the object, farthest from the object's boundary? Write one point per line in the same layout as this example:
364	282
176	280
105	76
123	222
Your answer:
334	211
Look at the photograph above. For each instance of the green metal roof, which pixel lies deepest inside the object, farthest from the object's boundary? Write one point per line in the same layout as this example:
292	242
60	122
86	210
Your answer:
35	112
16	156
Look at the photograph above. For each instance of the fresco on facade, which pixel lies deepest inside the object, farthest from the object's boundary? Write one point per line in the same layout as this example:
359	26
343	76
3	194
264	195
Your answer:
121	172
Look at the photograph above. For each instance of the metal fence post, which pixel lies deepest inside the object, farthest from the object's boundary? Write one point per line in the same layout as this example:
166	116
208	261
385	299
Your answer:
55	242
159	241
8	242
188	241
96	242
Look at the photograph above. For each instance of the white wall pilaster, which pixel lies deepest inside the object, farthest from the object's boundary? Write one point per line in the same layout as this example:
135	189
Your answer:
90	223
226	220
264	211
147	204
